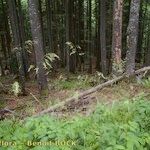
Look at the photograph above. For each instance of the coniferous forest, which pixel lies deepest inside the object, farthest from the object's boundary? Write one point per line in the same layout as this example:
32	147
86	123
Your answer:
74	74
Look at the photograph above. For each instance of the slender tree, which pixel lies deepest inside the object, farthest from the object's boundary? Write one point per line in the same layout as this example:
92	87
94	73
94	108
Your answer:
22	36
103	36
37	37
49	23
17	42
67	4
7	29
132	36
70	34
147	51
117	36
90	35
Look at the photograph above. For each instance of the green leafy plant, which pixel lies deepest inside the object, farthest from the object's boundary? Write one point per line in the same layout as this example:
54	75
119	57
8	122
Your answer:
120	126
16	89
119	68
29	46
146	82
49	58
74	49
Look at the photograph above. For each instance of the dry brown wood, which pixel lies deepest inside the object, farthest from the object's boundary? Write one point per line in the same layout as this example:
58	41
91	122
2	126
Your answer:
79	97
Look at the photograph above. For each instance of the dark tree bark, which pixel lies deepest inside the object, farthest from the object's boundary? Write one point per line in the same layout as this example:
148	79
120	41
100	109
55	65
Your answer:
67	5
117	36
22	37
7	35
103	36
109	26
132	37
147	51
126	13
41	14
142	20
90	35
70	34
37	36
17	42
97	34
80	59
49	24
4	50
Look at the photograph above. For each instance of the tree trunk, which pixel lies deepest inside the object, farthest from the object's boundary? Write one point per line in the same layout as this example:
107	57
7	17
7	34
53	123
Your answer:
70	34
49	24
17	43
132	37
67	35
3	44
22	37
142	21
103	36
117	37
37	36
147	53
7	37
90	35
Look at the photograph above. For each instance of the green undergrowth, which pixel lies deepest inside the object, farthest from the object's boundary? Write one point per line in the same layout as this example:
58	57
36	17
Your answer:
120	126
73	82
146	82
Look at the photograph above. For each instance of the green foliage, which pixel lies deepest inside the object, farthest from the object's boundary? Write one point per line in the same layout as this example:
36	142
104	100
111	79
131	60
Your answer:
146	82
29	46
71	84
73	49
119	68
16	88
121	126
79	82
49	58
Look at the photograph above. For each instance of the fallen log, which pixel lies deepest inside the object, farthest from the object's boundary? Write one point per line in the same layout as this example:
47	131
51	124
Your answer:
79	97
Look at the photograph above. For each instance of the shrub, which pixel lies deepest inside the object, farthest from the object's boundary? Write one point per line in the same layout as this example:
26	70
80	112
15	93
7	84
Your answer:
121	126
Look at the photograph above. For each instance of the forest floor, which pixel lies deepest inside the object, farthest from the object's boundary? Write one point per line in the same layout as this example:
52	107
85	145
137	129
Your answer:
62	87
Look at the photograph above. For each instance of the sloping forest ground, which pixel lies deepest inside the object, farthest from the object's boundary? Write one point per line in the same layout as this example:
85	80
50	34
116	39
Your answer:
114	118
61	87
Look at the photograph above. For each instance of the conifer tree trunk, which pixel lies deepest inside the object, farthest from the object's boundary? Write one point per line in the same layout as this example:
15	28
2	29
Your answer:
3	44
7	29
70	34
17	42
117	36
67	4
132	37
90	35
37	37
103	36
49	23
22	37
147	52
